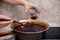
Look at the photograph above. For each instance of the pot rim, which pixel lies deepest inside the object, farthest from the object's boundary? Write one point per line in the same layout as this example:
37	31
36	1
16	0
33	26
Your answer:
31	32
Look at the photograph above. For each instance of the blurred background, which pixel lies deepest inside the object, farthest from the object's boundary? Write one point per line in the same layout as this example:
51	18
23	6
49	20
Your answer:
49	11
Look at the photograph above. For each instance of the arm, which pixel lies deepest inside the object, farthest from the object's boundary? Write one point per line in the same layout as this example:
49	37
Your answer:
18	2
24	3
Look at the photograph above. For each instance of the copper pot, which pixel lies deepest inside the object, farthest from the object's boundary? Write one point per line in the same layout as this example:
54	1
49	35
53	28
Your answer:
30	35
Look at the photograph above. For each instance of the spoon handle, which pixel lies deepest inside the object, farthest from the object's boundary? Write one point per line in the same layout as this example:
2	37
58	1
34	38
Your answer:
17	22
6	33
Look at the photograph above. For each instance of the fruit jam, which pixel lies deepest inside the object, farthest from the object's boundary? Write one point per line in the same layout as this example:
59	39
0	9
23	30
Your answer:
30	27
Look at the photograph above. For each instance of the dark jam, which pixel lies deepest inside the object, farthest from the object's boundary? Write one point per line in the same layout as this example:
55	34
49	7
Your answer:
33	17
4	19
30	27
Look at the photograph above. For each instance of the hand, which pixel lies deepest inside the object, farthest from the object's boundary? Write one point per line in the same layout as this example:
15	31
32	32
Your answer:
5	23
31	6
24	3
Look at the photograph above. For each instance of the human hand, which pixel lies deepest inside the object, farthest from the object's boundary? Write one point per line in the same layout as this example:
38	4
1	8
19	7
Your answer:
31	6
5	23
24	3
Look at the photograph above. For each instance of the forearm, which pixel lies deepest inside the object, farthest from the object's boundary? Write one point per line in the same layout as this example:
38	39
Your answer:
18	2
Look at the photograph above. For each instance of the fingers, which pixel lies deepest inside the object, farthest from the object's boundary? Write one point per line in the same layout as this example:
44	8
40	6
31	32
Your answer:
4	17
37	9
32	6
5	23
